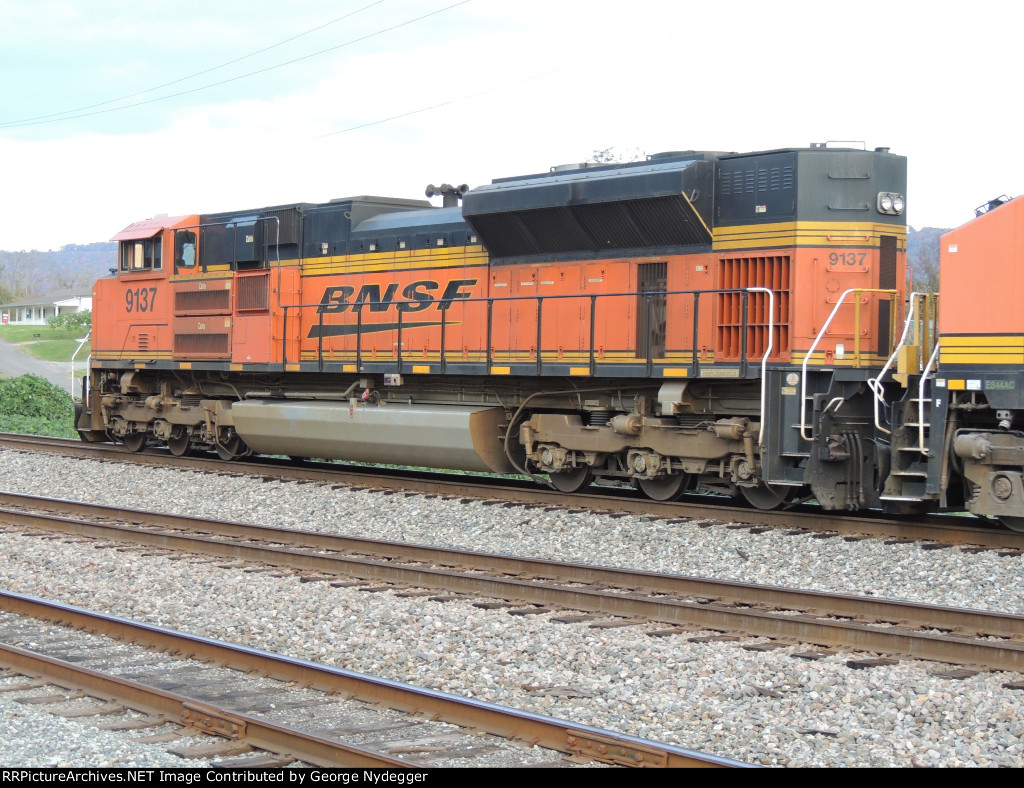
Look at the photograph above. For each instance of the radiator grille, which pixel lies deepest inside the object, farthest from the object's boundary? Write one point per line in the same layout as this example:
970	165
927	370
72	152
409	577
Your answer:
593	227
737	273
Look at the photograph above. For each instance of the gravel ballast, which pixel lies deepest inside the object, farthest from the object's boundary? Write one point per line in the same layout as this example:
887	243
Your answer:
767	708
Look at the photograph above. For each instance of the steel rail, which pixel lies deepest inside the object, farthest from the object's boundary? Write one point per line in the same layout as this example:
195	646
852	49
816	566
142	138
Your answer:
566	737
181	709
943	529
894	637
365	553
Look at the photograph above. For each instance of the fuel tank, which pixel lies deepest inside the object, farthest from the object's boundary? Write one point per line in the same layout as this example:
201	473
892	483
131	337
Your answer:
437	436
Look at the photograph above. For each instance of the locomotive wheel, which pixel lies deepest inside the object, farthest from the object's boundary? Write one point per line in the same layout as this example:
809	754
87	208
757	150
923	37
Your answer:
768	496
665	488
178	443
1013	523
135	441
231	450
572	481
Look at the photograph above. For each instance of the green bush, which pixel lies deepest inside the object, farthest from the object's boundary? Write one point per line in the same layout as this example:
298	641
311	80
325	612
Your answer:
78	322
33	406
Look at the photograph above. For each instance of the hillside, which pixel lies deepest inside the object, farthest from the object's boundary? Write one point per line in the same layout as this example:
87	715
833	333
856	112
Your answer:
28	274
923	257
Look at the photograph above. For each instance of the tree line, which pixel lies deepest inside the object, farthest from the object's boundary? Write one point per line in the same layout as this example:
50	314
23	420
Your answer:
25	275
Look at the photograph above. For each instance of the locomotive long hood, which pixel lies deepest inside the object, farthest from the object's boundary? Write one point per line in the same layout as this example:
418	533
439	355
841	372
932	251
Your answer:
595	211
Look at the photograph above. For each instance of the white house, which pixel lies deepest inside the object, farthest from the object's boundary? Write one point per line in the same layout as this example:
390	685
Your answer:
37	311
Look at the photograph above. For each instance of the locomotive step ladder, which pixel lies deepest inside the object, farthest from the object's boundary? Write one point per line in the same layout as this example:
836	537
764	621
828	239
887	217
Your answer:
915	453
908	476
909	426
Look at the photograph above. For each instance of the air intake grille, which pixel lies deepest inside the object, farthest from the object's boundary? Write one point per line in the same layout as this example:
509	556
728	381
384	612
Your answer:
202	345
202	302
253	292
738	273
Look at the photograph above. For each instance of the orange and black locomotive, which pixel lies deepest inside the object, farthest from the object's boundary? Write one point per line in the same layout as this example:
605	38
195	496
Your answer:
734	322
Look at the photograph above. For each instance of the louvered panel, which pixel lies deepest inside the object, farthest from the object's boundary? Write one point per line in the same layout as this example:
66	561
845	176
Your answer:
202	338
207	346
253	292
284	231
661	222
610	224
505	238
740	273
204	297
669	221
595	213
556	230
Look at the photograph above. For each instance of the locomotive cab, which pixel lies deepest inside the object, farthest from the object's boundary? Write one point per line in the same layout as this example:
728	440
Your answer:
133	308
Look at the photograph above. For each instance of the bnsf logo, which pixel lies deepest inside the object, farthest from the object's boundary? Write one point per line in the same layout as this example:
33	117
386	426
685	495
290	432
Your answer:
417	297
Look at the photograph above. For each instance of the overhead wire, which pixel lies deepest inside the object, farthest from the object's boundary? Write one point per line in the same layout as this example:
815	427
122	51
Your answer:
57	115
18	124
458	100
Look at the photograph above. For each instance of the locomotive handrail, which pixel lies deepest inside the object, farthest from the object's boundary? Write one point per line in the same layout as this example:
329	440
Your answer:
87	361
807	356
642	344
920	399
540	335
266	244
357	307
767	353
875	384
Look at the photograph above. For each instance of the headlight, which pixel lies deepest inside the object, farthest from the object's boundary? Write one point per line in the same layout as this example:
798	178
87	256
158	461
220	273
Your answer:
891	203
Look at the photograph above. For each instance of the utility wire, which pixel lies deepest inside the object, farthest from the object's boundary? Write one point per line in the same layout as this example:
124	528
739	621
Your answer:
15	124
495	89
4	124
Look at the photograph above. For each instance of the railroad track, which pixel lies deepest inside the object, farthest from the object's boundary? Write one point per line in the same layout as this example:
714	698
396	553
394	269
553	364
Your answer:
941	529
257	710
663	604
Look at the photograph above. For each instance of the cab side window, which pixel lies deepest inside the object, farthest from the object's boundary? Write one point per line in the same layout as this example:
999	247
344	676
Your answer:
185	249
142	255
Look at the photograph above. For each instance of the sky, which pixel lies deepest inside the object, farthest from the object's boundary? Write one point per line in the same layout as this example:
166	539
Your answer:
113	111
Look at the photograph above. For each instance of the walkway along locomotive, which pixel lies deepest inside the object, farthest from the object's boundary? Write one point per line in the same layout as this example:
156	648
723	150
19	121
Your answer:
722	321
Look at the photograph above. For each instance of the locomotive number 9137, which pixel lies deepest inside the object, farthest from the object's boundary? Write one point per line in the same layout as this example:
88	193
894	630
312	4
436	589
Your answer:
694	322
140	299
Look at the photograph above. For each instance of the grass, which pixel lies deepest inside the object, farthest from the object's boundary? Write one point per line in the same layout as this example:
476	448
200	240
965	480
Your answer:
52	344
19	334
